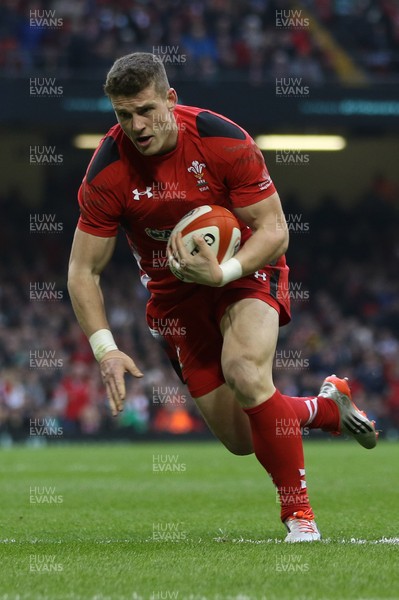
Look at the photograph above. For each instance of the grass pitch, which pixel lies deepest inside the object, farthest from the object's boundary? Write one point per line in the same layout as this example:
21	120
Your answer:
112	522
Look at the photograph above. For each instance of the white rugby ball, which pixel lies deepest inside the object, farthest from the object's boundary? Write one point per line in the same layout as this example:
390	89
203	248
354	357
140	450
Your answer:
219	228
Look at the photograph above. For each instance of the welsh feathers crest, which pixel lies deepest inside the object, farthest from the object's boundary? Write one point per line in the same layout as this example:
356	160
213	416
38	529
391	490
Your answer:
196	168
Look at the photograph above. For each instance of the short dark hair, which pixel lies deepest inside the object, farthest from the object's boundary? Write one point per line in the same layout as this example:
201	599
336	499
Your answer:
132	73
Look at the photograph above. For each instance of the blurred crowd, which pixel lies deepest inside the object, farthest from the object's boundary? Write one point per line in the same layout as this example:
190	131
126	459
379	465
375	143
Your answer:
50	384
345	299
248	40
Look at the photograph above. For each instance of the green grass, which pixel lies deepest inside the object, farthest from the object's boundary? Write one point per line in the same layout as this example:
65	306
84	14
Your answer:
220	508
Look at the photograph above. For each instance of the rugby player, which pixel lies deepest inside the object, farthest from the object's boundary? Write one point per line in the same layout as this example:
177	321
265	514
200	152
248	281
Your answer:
230	314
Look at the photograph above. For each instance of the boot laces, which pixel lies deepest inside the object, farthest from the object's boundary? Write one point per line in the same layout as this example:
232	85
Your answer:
304	520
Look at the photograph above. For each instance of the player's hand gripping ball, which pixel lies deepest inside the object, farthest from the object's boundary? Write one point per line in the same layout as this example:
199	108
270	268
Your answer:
219	228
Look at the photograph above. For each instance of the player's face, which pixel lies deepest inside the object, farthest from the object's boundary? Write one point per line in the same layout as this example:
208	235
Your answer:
147	120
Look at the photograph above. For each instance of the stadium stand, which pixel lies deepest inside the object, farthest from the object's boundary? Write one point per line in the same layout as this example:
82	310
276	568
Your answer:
246	39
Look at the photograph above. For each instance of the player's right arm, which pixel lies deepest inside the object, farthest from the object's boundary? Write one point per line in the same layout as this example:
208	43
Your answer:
89	255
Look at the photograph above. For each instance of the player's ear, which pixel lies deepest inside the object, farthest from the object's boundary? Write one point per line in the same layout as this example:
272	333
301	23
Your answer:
171	99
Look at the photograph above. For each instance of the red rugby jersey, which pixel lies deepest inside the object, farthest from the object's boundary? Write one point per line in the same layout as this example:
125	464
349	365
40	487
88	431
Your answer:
215	162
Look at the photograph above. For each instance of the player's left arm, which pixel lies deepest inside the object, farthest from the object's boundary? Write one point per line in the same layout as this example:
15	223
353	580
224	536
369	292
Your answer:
268	242
270	235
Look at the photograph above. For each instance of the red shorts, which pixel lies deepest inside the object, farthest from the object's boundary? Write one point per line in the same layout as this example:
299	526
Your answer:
189	329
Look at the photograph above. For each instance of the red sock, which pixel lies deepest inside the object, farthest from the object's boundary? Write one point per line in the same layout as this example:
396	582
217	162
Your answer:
277	441
316	412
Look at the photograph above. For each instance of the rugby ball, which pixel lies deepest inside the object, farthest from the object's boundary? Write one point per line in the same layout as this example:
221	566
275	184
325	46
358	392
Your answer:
219	228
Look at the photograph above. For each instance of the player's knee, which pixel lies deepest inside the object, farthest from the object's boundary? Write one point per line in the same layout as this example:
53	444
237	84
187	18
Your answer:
244	377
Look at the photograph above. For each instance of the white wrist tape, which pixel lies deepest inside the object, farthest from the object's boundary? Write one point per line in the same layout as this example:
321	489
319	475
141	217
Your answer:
101	342
232	270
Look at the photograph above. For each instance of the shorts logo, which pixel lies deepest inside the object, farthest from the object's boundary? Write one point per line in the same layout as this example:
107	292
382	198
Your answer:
147	192
197	170
260	275
160	235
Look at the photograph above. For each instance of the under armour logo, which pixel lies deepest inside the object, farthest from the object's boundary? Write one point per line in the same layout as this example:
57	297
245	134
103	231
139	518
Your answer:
137	194
262	276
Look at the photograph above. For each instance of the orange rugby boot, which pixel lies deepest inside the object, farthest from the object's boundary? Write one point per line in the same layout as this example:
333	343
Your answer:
352	420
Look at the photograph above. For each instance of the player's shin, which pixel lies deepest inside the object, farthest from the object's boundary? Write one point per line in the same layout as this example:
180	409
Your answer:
277	440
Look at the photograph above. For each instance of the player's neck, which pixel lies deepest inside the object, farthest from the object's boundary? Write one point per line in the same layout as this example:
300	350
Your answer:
172	139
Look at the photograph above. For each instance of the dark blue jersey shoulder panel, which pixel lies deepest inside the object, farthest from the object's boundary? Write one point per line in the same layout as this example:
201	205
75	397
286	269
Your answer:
107	154
209	125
